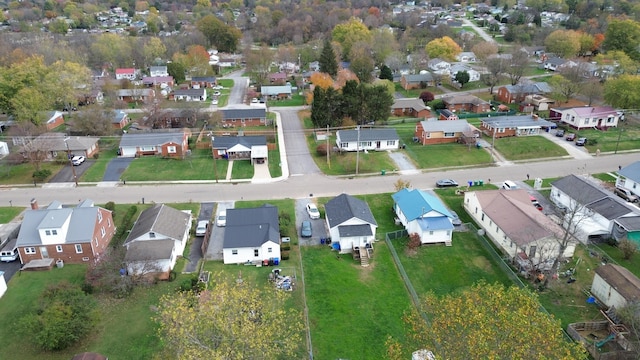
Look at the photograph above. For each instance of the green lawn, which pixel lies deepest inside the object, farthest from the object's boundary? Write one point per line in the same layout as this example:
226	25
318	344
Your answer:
242	169
8	213
527	147
296	100
626	137
108	151
198	166
345	163
275	166
22	174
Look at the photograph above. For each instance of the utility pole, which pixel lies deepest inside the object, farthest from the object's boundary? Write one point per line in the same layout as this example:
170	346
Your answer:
328	149
493	142
357	150
73	169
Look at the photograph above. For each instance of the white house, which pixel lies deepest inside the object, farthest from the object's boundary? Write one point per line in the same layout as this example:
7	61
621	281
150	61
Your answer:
4	149
423	214
156	240
3	284
614	285
252	235
456	68
156	71
590	212
126	73
439	66
367	139
628	177
587	117
190	94
350	222
525	234
466	56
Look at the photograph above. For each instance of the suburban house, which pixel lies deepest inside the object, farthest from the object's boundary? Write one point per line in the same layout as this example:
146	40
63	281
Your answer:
203	82
431	132
126	74
54	119
156	240
466	103
439	66
587	117
190	94
351	223
252	148
520	125
134	95
278	78
554	63
367	139
525	234
276	92
155	71
448	115
516	93
253	116
227	62
592	214
165	144
466	56
54	143
456	68
161	81
629	178
536	103
417	81
410	107
615	286
423	214
73	234
120	119
251	235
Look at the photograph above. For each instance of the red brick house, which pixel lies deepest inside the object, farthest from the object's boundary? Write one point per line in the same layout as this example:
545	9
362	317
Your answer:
203	81
418	81
410	107
244	117
516	93
72	234
466	103
54	119
432	132
278	78
165	144
120	119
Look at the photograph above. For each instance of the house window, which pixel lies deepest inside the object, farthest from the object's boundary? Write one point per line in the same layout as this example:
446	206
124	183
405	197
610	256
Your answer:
476	210
234	252
47	232
30	250
152	235
102	231
78	249
428	135
609	120
497	229
256	252
269	250
532	252
344	145
449	134
96	240
482	218
430	232
171	149
490	222
54	232
109	222
59	248
99	216
391	142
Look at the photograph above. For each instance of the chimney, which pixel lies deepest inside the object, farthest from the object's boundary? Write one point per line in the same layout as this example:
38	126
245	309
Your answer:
34	204
535	117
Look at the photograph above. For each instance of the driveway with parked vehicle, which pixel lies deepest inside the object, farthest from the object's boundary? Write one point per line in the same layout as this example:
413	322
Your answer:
318	224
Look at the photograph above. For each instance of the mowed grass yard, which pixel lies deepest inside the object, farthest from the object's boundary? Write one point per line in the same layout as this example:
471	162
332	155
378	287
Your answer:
198	166
527	147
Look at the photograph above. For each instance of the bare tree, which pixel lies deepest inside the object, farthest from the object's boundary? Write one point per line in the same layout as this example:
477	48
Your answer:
517	64
592	90
25	134
94	121
493	75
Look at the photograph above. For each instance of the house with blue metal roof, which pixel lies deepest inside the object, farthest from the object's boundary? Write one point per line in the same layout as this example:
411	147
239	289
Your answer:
423	214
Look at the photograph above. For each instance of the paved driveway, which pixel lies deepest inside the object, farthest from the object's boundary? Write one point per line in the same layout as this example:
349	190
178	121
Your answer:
216	241
115	168
577	152
298	156
10	269
195	252
318	227
66	173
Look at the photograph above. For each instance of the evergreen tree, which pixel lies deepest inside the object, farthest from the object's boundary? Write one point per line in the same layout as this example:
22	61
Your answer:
386	73
462	77
376	105
328	62
352	100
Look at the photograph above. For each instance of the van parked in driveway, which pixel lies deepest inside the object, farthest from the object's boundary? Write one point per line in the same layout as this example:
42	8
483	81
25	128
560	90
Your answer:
509	185
9	254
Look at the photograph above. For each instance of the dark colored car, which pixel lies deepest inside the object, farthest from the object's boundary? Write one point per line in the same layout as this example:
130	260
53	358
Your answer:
581	142
305	229
559	133
455	219
446	183
570	137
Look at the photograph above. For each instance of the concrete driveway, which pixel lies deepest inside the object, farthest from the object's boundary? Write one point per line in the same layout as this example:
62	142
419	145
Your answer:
576	152
10	269
318	227
195	251
299	158
115	168
216	241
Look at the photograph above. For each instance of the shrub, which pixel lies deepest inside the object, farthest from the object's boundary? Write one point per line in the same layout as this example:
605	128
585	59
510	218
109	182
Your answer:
322	149
285	247
41	175
111	206
284	255
628	248
96	156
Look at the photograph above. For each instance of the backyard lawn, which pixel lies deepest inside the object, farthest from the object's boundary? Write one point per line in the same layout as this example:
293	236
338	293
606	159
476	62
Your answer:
345	163
242	169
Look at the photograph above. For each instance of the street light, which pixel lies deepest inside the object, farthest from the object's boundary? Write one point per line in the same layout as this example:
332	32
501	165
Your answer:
73	169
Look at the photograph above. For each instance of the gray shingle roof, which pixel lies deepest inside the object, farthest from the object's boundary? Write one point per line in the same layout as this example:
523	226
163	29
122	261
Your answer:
368	134
344	207
537	88
246	113
226	142
203	78
609	208
621	279
251	227
579	189
517	122
415	104
446	126
189	92
354	230
417	78
164	221
149	250
150	139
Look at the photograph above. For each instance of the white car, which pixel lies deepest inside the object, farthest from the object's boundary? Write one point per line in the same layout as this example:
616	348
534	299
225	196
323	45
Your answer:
214	102
217	93
254	100
221	220
218	87
312	209
201	229
77	160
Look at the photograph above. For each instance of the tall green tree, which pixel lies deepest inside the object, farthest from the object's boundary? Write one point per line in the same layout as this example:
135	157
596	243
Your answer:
349	33
377	103
325	108
623	35
386	73
361	64
328	63
352	97
623	92
224	37
462	77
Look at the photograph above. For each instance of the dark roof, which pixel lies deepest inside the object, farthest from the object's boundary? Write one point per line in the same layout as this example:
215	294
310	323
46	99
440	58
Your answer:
151	139
150	250
344	207
203	78
579	189
621	279
248	113
368	134
418	78
226	142
251	227
630	223
354	230
631	171
163	220
609	208
189	92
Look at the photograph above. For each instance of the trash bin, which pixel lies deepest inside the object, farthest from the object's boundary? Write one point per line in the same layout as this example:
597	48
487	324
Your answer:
481	182
276	261
382	172
470	183
476	183
59	264
322	241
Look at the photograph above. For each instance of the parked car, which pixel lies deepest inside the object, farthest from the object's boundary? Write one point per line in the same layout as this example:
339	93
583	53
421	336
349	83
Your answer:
77	160
570	137
455	219
214	102
221	220
202	227
446	183
305	229
581	142
313	211
217	93
509	185
218	87
559	133
535	203
254	100
626	194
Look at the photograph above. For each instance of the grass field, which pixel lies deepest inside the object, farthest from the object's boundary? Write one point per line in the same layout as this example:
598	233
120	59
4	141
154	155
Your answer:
529	147
242	169
22	174
345	163
198	166
8	213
